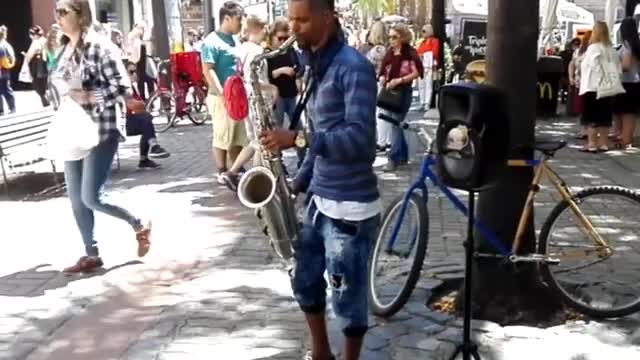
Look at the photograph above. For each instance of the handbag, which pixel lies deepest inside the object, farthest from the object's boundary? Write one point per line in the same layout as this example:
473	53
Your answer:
25	74
610	84
391	99
72	132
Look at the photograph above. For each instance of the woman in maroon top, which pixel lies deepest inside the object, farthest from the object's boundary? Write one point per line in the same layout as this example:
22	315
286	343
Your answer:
400	66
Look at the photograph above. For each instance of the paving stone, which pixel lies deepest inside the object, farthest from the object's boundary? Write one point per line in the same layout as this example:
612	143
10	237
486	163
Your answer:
407	353
437	317
635	337
429	284
373	342
417	341
390	331
453	335
17	351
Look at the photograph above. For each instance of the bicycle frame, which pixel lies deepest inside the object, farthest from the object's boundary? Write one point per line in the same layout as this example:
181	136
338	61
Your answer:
542	169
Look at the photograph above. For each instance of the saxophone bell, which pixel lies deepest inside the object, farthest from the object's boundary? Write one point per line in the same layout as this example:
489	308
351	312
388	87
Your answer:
257	187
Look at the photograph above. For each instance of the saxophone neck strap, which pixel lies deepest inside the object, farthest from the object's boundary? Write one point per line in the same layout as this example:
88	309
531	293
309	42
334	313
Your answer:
319	65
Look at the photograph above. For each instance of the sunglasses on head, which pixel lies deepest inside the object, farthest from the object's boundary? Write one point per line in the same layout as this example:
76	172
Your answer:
394	37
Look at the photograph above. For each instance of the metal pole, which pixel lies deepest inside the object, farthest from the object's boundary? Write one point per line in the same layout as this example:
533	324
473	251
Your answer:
160	30
207	16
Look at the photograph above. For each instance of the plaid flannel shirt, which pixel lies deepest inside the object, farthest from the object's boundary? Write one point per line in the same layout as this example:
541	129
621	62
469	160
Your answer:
100	75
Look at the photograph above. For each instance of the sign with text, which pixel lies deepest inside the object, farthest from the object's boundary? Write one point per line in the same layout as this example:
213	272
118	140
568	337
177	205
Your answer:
474	38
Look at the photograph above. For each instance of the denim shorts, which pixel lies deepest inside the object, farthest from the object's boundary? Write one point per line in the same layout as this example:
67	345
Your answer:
342	249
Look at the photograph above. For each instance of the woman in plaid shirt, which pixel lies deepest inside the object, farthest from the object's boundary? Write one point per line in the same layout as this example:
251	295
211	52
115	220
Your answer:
88	73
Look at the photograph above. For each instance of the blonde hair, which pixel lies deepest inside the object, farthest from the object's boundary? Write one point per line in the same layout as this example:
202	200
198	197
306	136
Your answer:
600	33
403	31
255	23
3	32
377	34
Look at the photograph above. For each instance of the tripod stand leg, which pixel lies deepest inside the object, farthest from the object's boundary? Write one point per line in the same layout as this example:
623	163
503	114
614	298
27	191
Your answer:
468	348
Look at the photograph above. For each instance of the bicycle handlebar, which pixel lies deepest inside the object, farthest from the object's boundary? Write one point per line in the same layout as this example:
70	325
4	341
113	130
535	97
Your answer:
423	136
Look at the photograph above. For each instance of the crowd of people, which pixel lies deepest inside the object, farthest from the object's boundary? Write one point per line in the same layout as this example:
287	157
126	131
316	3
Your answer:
607	118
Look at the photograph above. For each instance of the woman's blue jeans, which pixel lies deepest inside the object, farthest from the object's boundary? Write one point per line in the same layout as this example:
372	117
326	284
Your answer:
85	179
399	152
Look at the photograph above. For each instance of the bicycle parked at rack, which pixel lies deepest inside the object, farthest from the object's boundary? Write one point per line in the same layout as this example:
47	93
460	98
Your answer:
185	99
592	260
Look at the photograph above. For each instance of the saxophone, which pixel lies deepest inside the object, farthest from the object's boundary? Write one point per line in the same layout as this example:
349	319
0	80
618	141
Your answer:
264	187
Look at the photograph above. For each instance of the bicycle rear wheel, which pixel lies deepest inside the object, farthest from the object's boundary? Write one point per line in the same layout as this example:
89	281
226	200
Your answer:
199	105
589	279
162	106
403	259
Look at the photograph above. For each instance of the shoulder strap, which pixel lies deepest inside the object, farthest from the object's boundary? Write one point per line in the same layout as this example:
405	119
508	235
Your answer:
315	79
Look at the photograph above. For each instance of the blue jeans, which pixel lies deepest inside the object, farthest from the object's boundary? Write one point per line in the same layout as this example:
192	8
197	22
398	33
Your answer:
141	124
6	92
342	249
85	179
284	106
399	151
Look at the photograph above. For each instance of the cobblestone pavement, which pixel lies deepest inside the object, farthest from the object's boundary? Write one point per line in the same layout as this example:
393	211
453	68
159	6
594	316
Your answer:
212	289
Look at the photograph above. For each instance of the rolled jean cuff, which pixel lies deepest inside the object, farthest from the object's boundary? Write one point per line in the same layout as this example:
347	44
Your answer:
313	309
355	331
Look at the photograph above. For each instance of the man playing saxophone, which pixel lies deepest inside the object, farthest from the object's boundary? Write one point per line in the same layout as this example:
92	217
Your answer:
342	211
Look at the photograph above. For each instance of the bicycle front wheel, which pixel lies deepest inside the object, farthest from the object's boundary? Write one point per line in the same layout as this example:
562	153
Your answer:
599	280
396	262
162	106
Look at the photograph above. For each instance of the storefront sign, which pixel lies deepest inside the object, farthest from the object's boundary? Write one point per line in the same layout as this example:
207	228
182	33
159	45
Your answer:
474	38
545	90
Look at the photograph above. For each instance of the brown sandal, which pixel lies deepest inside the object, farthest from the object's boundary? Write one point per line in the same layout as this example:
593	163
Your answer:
143	237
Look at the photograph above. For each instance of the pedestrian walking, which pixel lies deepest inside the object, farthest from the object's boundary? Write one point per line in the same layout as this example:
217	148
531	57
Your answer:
36	57
88	74
7	62
626	106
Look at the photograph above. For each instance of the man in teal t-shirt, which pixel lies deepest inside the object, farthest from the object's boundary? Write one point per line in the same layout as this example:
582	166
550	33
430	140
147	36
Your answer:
219	58
219	50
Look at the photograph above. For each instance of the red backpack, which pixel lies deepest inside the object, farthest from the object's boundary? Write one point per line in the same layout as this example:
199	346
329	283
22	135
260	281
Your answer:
235	96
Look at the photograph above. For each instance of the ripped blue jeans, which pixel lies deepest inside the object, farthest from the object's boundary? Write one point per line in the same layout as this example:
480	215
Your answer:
342	249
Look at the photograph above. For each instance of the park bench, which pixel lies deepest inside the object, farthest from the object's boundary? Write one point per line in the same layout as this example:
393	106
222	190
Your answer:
23	142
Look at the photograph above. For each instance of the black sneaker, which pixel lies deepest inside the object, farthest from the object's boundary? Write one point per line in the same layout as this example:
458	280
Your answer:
148	164
231	181
158	152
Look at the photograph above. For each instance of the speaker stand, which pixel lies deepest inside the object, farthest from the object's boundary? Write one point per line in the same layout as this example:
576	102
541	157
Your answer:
468	348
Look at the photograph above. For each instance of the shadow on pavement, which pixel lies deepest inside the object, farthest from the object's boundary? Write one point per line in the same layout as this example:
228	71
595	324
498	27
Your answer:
35	281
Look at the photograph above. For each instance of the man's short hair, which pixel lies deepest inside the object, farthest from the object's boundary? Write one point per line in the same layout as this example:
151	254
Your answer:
321	5
230	9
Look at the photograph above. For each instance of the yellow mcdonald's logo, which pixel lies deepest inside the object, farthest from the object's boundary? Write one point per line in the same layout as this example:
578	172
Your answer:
545	89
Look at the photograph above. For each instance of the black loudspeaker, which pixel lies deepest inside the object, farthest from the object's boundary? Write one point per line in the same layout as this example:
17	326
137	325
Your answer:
472	141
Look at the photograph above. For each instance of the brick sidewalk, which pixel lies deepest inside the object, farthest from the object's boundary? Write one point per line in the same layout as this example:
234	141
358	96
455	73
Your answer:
212	288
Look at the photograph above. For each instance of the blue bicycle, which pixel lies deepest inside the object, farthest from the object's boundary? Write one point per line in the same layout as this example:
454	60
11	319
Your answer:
588	248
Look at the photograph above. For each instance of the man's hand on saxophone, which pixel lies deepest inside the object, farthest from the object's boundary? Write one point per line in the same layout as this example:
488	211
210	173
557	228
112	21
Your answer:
278	139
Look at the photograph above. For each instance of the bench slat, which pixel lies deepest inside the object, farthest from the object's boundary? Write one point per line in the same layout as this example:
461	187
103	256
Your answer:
12	146
23	131
19	119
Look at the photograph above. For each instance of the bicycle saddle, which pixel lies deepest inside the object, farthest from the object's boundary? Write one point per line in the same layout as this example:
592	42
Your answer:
549	147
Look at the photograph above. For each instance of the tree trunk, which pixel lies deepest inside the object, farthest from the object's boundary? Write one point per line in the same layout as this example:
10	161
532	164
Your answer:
160	30
421	17
508	295
631	7
437	21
